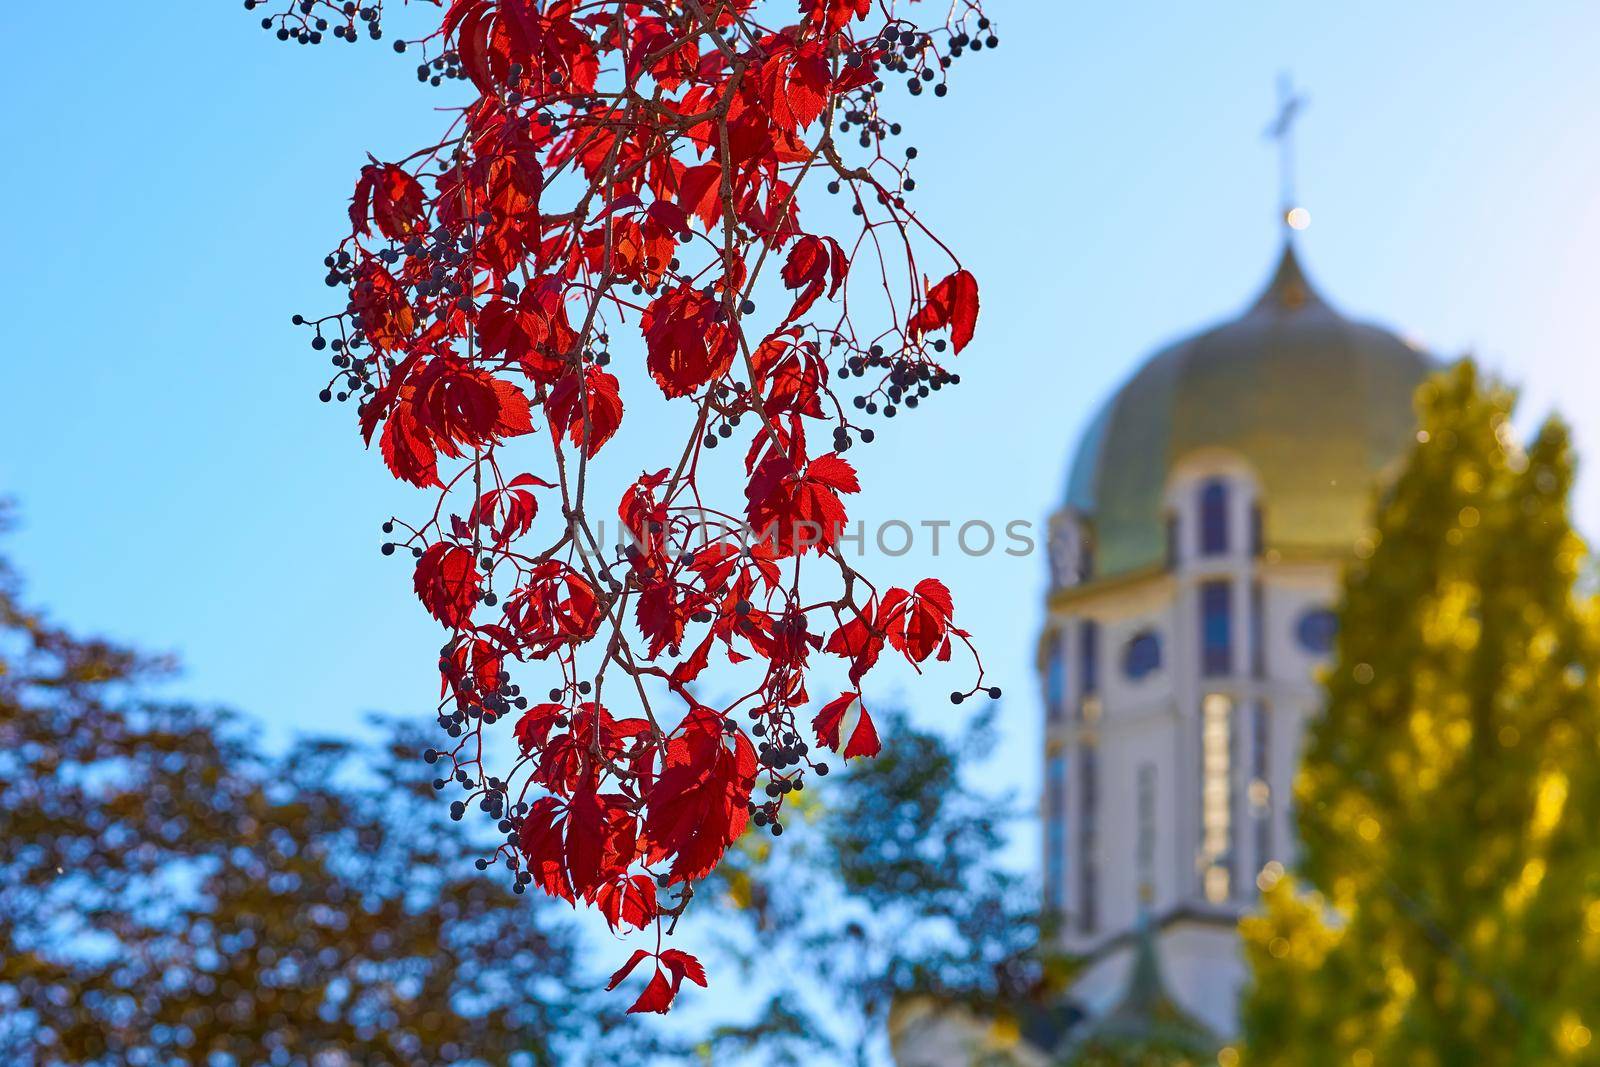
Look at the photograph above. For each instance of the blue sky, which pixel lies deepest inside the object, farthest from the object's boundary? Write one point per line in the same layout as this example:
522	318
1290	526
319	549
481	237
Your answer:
176	177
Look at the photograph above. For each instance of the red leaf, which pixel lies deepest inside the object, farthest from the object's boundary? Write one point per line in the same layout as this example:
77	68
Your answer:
515	504
657	996
627	968
682	965
688	339
600	840
697	805
953	303
556	607
661	614
795	511
407	451
587	409
390	195
812	262
830	16
573	847
796	82
857	642
689	668
446	581
534	330
847	711
386	317
539	836
918	623
629	900
533	729
464	407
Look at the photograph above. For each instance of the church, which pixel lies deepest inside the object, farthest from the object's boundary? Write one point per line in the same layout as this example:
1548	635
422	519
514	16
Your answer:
1194	570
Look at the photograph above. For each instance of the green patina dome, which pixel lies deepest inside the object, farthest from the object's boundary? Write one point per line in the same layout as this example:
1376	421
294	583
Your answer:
1318	405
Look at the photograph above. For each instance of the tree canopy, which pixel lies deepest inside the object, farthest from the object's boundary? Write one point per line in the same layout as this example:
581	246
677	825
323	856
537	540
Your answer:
1447	909
174	889
170	890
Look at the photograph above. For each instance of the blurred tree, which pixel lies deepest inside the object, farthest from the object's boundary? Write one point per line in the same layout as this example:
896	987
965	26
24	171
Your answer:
1449	804
893	887
172	893
169	894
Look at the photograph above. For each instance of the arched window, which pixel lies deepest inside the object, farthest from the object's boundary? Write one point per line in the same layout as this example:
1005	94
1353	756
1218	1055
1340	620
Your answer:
1316	629
1213	517
1141	656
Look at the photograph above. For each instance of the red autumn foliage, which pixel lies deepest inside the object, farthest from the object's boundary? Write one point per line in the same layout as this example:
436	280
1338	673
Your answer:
446	580
389	195
918	623
672	967
622	184
698	802
953	303
586	407
690	339
798	510
862	735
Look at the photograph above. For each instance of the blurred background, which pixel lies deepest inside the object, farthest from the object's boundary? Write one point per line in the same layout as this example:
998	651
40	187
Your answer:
1106	174
178	176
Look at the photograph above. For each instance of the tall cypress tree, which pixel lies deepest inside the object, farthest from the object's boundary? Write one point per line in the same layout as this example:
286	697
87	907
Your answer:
1449	801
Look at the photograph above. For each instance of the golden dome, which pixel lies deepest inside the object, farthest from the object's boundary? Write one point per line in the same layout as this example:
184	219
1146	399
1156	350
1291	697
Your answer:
1317	404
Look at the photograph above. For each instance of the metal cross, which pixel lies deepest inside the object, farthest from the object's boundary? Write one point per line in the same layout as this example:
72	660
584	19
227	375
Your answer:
1281	130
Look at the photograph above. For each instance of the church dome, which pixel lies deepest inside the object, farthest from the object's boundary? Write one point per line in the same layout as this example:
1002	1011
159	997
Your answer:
1317	404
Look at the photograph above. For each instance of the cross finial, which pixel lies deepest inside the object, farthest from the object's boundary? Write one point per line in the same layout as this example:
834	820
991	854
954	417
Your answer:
1281	130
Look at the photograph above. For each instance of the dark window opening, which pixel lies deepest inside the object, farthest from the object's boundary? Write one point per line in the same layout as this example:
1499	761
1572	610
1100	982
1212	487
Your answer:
1056	681
1213	518
1258	631
1056	842
1088	800
1316	631
1142	655
1089	655
1216	629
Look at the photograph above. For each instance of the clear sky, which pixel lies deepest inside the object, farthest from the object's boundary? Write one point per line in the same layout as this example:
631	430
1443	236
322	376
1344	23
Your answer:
176	177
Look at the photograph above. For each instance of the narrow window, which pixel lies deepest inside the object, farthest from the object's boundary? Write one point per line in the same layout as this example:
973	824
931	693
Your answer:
1172	542
1257	529
1088	799
1216	629
1056	835
1055	682
1258	631
1213	518
1216	794
1260	790
1089	656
